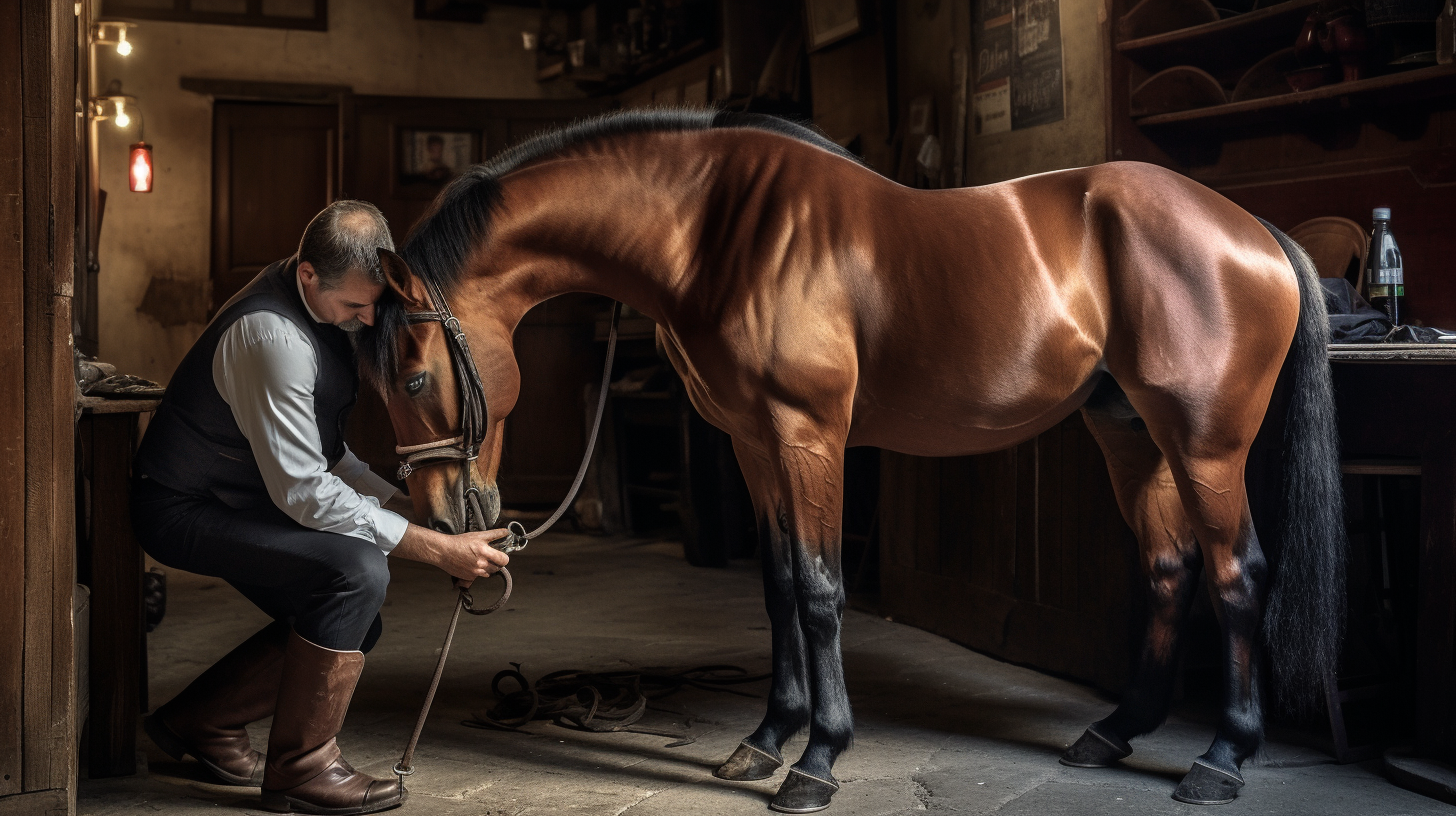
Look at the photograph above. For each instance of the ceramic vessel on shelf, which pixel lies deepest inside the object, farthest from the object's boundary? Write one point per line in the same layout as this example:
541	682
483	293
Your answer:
1344	39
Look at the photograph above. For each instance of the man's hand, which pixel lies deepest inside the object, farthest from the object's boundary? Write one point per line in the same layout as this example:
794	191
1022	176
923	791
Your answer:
464	557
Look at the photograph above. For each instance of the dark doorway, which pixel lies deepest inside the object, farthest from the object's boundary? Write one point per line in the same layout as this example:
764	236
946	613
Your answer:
273	169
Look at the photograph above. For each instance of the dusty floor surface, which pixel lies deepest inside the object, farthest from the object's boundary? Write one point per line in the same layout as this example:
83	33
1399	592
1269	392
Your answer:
939	728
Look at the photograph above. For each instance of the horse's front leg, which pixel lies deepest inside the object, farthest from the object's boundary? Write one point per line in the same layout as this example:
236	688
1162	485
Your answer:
798	493
788	703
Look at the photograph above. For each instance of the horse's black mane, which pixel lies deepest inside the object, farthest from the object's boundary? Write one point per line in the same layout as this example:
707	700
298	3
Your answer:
460	217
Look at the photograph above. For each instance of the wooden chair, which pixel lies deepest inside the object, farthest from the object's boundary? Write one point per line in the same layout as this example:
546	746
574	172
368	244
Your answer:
1337	246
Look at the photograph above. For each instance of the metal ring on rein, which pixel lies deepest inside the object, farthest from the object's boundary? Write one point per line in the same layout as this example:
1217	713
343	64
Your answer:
469	602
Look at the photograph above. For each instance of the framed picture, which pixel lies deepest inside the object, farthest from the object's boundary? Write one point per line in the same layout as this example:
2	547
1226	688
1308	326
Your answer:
829	21
430	157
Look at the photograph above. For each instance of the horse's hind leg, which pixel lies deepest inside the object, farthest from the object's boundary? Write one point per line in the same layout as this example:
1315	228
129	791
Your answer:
1206	437
1148	498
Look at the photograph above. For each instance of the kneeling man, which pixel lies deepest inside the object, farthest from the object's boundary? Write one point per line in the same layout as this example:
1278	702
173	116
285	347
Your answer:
243	475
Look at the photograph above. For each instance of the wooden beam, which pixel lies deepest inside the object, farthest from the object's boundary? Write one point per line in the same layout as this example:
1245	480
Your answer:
116	596
12	400
48	86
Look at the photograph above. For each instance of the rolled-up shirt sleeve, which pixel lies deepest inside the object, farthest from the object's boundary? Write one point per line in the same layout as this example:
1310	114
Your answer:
265	370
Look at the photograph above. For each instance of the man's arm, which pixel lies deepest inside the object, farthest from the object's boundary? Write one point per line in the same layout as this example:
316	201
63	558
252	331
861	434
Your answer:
265	369
356	474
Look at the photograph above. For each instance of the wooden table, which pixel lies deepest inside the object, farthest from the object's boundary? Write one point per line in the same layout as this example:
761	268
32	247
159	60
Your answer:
1398	401
110	562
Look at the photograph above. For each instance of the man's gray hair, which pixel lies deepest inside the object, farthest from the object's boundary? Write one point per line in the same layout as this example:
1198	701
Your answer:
346	236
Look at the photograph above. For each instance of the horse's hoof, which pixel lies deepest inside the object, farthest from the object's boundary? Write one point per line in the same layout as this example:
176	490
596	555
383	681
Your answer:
1207	785
1096	750
748	764
802	793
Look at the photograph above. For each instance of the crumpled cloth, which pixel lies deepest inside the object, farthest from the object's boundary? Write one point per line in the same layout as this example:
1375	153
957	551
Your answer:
1352	320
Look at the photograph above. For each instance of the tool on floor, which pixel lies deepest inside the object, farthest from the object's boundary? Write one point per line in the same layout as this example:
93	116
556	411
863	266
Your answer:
464	448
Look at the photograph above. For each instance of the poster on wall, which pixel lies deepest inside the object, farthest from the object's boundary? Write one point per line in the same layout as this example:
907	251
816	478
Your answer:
1018	65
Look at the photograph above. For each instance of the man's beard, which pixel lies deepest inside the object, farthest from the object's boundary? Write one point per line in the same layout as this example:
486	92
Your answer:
352	325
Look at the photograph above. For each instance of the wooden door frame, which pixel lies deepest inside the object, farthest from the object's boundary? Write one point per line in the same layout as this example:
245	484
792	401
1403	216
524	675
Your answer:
38	42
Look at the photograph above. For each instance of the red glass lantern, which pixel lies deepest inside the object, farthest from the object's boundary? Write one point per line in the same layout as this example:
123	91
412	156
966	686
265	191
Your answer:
139	169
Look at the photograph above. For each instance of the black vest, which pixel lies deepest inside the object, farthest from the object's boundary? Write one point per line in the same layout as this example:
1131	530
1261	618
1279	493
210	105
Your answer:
193	445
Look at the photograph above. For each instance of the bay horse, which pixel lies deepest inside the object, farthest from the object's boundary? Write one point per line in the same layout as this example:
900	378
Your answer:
810	304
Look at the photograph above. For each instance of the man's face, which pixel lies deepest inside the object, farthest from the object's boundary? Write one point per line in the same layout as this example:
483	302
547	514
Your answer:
349	305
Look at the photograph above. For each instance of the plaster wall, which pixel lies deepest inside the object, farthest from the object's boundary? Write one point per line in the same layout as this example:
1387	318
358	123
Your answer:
372	46
1078	140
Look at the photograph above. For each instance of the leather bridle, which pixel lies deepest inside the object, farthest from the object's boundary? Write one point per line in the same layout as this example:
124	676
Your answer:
464	448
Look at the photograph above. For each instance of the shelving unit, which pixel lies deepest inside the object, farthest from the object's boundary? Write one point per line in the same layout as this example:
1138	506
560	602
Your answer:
1239	40
1229	49
1342	97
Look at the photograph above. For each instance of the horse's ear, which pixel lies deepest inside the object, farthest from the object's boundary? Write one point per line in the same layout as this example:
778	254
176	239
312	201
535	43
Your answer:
402	280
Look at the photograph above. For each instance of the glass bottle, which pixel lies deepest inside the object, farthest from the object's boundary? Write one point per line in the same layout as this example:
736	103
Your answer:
1385	275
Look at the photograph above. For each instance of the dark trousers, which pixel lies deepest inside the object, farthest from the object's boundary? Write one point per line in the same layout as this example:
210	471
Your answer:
328	586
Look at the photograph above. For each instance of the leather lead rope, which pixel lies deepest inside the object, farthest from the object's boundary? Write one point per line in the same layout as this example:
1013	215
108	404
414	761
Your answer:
475	520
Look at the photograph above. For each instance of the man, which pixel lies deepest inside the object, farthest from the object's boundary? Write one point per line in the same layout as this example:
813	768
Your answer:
244	475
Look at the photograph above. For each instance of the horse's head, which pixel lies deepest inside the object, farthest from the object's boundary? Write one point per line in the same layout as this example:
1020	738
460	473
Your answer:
409	357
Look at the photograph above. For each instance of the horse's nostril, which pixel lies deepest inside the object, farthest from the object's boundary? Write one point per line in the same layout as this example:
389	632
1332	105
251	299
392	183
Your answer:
441	526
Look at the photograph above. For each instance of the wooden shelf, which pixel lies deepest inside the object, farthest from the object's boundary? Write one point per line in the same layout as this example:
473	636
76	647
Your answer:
1380	92
1236	42
1440	353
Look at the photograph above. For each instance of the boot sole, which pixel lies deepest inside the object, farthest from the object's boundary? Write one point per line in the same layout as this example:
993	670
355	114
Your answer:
174	747
279	802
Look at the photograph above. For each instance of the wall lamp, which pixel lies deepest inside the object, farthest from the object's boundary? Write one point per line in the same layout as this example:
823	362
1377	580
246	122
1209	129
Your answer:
112	32
119	107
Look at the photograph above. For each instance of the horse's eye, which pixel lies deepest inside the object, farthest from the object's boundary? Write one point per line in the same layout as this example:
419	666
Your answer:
415	383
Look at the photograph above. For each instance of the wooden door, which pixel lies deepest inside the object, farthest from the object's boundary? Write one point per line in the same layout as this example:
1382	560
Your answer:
272	170
1020	553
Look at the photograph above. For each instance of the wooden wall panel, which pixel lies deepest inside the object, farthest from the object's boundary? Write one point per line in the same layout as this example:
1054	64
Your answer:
1020	553
12	400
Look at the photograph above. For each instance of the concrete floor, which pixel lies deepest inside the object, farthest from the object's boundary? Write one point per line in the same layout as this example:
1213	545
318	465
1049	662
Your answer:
939	728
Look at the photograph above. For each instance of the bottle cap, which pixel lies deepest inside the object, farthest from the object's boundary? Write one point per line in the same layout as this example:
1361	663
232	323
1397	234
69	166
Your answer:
1382	214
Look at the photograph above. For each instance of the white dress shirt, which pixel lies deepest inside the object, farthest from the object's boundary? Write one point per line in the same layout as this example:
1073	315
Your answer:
265	370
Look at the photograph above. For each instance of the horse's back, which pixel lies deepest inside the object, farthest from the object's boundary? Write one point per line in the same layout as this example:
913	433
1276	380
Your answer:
997	307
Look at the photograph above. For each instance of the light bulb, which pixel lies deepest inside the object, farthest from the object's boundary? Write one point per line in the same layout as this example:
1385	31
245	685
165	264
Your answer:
123	47
122	120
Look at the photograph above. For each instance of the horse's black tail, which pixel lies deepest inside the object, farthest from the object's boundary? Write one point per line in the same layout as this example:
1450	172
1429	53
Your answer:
1304	619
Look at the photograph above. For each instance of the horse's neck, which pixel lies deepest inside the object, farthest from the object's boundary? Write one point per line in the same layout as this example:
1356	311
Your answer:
627	240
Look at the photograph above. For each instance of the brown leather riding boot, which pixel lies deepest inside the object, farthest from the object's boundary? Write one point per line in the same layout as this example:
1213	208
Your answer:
209	718
306	772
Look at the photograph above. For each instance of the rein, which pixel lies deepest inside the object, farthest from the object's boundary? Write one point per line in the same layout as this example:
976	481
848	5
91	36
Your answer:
465	448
